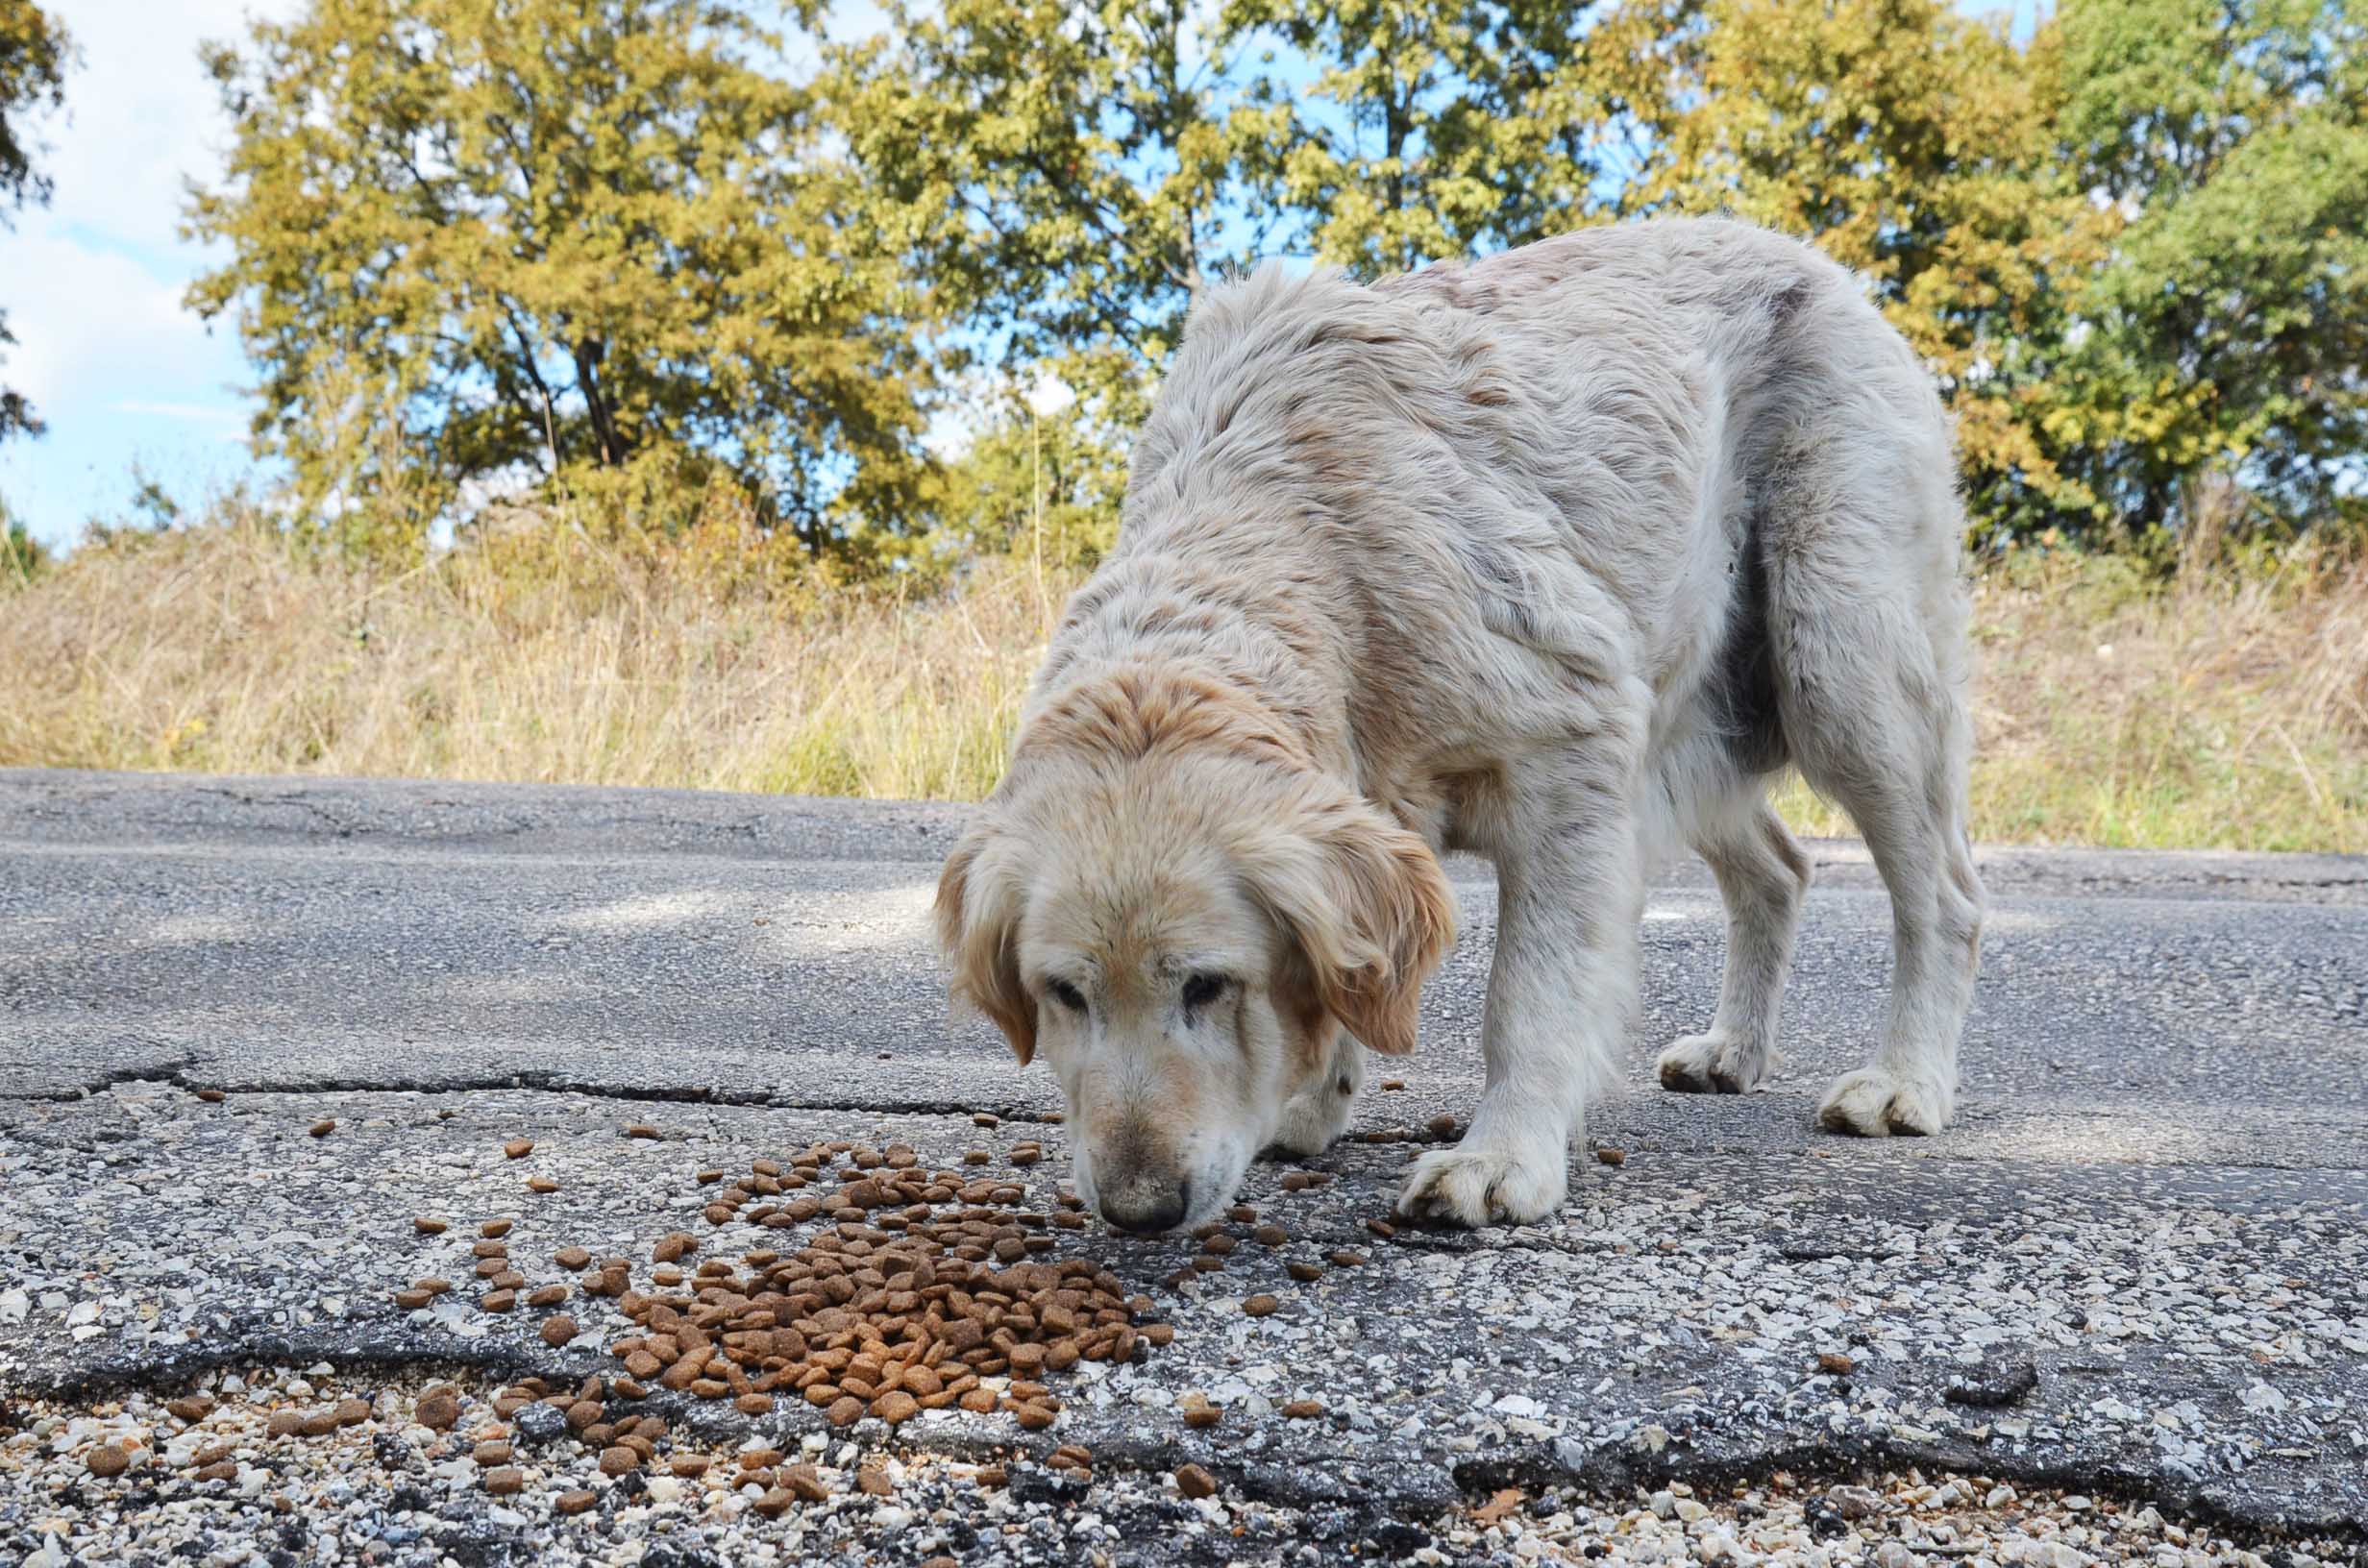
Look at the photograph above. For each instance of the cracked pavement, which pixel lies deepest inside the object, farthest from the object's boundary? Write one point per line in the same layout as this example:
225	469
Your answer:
2134	1268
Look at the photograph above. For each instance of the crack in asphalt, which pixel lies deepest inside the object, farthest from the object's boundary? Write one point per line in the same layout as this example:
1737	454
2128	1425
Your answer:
1413	1490
180	1072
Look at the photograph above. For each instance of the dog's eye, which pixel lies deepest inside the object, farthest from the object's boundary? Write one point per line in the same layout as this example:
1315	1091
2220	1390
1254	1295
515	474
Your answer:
1201	990
1066	994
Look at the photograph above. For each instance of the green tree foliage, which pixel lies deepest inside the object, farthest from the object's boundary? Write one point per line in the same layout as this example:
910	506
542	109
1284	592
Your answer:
1060	175
586	243
34	52
1434	128
1912	144
2220	351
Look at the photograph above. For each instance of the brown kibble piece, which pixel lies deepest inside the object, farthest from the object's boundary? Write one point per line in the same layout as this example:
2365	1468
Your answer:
753	1404
843	1411
1839	1364
618	1459
490	1453
518	1148
505	1481
1304	1273
438	1409
1611	1157
558	1329
494	1227
1194	1482
1302	1410
352	1413
1346	1258
548	1295
571	1257
429	1227
1392	1086
542	1184
570	1503
1441	1127
1271	1235
498	1301
976	1157
583	1415
1381	1227
1033	1417
220	1470
896	1406
690	1466
1261	1305
804	1483
107	1460
873	1481
640	1129
284	1423
411	1301
674	1246
1202	1416
775	1503
192	1408
323	1128
212	1097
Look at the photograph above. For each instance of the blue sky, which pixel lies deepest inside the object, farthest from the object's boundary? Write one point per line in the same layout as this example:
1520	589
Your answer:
126	377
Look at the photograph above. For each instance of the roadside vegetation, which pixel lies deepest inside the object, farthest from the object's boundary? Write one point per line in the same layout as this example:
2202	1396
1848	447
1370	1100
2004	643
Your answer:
2117	706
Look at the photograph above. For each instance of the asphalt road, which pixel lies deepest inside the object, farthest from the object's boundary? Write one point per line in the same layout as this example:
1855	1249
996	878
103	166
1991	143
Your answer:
2138	1266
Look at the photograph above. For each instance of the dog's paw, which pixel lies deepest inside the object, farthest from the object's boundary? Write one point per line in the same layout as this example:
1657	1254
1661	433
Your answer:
1311	1124
1874	1102
1484	1185
1715	1063
1313	1119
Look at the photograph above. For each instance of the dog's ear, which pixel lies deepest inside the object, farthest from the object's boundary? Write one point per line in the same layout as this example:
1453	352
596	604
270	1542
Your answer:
978	899
1370	908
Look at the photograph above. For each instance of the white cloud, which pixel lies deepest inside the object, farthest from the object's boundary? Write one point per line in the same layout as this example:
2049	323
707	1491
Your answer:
94	326
140	114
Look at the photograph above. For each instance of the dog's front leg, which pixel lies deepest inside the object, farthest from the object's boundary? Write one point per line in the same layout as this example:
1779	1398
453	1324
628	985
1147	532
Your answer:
1561	992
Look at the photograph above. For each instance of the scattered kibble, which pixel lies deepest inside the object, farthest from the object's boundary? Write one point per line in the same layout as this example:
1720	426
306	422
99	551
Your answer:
518	1148
1194	1482
323	1128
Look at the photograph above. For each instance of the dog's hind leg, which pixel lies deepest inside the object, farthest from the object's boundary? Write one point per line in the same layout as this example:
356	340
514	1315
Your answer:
1874	708
1762	877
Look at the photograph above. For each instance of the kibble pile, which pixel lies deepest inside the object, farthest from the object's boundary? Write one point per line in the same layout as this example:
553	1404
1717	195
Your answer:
920	1286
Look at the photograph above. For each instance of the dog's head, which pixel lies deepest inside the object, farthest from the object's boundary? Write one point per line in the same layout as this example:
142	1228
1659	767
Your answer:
1179	914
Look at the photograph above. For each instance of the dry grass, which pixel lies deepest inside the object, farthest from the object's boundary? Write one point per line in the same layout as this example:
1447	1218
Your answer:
2224	714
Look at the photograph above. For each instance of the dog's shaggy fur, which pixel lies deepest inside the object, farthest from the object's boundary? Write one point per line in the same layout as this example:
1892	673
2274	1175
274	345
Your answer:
1556	557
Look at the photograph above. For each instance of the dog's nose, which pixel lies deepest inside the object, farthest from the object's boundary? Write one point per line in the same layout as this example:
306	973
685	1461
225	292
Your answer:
1147	1207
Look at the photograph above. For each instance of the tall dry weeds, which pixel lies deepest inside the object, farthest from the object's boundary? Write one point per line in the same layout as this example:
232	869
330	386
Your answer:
2223	710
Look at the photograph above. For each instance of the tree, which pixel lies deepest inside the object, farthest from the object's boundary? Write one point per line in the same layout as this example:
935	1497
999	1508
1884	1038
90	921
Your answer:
584	244
33	54
1914	145
1061	174
2221	347
1435	128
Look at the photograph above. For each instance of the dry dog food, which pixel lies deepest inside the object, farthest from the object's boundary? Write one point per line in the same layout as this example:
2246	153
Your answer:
518	1148
322	1128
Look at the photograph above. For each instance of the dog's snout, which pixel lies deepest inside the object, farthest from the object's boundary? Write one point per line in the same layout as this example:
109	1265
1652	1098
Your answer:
1146	1203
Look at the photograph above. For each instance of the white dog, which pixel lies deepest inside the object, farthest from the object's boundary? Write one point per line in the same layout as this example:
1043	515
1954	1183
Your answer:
1559	557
